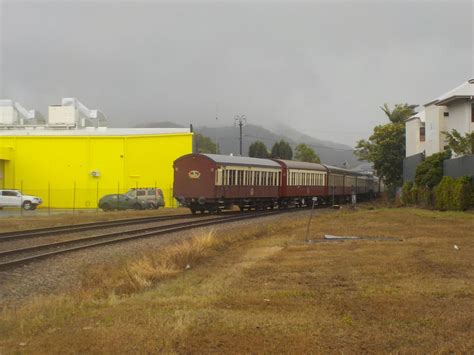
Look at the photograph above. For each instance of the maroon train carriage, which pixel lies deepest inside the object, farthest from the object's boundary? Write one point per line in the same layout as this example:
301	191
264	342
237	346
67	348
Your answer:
301	182
342	183
211	182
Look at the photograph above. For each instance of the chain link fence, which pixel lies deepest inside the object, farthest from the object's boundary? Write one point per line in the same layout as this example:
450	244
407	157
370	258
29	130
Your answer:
72	197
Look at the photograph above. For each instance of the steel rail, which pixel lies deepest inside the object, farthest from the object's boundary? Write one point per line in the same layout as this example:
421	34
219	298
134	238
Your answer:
32	233
110	238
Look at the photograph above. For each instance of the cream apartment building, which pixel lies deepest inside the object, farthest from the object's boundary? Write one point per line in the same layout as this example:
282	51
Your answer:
425	130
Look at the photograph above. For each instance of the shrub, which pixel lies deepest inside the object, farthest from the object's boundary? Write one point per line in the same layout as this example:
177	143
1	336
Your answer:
461	194
430	171
424	197
407	196
414	195
453	194
443	193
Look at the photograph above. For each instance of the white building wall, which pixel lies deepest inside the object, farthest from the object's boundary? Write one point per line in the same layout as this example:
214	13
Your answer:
412	137
435	125
459	117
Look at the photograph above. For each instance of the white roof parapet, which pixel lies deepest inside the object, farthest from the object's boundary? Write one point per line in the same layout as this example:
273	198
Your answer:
419	115
465	90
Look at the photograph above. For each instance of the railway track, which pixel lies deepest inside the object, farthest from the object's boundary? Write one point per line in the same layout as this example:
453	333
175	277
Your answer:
25	234
16	257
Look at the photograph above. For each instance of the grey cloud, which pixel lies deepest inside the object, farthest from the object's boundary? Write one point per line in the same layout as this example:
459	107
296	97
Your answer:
322	67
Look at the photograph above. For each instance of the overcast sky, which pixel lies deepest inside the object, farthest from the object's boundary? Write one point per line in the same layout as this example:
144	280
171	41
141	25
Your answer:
321	67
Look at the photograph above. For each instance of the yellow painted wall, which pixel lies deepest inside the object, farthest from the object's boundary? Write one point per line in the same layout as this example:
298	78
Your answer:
58	168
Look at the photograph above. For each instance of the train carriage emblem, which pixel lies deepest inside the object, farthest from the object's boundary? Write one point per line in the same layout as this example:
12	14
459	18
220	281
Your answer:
194	174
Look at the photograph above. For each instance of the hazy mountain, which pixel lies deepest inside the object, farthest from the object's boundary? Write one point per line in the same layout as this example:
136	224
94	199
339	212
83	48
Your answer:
228	139
164	124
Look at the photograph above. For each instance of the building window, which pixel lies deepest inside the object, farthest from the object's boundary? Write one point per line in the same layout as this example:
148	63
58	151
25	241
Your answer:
472	113
422	134
446	114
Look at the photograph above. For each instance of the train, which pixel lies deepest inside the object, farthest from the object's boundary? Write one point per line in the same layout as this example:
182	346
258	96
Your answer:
214	182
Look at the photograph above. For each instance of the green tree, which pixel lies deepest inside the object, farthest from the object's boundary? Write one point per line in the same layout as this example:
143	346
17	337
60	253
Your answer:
460	145
258	149
430	171
400	112
205	144
386	146
305	153
282	150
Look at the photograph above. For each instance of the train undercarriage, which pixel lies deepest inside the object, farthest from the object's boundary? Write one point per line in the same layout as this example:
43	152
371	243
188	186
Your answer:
202	205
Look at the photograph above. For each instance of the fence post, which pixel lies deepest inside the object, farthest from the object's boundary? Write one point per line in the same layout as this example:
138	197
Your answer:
171	196
21	200
74	199
97	196
136	192
310	217
49	198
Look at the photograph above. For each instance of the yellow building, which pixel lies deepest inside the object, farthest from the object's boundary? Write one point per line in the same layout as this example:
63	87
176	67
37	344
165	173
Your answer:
73	168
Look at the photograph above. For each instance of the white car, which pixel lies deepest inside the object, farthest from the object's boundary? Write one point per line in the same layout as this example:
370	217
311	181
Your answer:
14	198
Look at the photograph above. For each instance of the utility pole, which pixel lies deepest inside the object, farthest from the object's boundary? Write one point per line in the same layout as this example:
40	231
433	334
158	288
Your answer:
240	121
217	117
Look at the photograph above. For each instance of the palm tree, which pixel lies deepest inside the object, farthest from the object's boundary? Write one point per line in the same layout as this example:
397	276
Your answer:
400	113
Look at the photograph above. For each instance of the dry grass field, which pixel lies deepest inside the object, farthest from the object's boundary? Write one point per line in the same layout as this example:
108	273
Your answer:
262	289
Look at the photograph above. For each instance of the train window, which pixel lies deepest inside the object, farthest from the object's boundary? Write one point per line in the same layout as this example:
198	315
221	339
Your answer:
219	177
